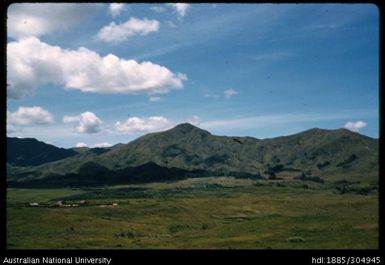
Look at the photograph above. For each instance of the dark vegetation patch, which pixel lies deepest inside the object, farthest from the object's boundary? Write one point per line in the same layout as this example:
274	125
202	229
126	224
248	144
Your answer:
237	140
101	193
93	174
244	175
308	177
347	161
98	151
323	164
216	159
192	159
212	189
173	151
347	187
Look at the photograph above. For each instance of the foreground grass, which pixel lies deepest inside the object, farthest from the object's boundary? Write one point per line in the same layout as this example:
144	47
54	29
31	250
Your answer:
198	213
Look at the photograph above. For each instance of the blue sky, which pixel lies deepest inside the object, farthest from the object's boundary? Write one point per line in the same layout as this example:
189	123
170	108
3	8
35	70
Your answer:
100	74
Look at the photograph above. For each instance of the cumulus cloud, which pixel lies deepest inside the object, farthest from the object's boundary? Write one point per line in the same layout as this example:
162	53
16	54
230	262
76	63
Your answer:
81	144
87	122
116	9
105	144
355	126
116	33
143	125
38	19
180	8
32	63
228	93
28	116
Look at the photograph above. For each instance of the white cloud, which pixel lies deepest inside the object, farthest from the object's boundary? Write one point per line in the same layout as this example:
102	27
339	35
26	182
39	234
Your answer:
29	116
180	8
143	125
355	126
105	144
88	122
154	98
195	120
116	33
81	144
158	9
38	19
11	129
228	93
116	9
32	63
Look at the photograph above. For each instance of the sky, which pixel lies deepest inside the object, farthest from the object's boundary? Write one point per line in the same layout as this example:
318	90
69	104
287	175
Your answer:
101	74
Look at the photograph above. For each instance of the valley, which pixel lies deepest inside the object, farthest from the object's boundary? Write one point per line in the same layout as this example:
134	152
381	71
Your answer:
201	213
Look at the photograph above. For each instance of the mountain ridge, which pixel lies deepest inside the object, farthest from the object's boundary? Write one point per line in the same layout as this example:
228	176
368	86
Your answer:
32	152
328	153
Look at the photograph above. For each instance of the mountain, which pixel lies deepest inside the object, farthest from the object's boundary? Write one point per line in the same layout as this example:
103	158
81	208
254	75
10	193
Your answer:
31	152
190	151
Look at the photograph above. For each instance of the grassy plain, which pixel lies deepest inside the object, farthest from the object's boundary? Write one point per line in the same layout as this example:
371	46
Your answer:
201	213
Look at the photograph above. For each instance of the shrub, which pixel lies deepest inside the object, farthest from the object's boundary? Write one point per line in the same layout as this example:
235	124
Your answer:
322	165
129	234
305	177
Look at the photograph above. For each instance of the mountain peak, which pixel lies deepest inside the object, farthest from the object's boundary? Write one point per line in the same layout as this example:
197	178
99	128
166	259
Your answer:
188	128
185	125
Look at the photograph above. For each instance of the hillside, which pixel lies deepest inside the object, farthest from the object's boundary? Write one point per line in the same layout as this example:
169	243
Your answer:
31	152
327	154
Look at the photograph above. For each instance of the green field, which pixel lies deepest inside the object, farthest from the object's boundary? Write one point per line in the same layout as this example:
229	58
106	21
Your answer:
201	213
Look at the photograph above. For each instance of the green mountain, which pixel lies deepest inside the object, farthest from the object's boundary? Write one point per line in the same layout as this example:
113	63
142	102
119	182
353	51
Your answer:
31	152
187	151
